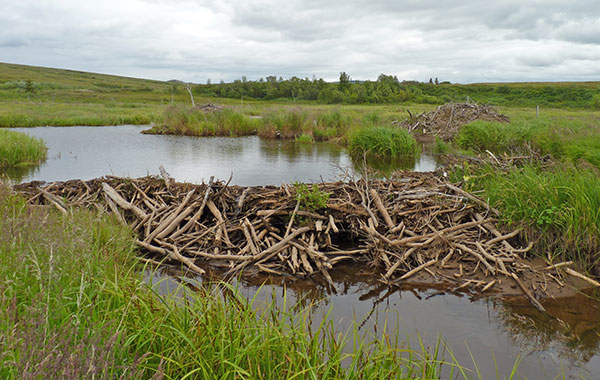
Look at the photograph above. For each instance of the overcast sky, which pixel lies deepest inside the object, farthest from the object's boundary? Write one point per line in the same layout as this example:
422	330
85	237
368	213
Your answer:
193	40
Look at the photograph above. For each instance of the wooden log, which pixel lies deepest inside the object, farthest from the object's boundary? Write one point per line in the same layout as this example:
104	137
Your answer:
281	244
249	239
119	200
417	269
240	257
440	232
115	210
54	200
289	226
533	300
174	255
558	265
473	198
497	260
584	278
381	208
175	222
489	285
170	218
198	213
221	221
477	255
503	237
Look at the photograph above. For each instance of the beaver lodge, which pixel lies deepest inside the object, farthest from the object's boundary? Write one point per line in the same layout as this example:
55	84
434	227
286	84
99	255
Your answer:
412	225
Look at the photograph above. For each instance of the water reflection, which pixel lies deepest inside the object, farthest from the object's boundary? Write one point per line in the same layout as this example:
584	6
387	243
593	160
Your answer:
495	333
18	173
571	328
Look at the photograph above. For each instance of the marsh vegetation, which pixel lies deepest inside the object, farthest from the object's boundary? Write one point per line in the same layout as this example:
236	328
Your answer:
18	149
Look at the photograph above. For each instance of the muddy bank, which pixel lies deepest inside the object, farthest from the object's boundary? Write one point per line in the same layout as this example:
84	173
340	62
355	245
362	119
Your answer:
412	228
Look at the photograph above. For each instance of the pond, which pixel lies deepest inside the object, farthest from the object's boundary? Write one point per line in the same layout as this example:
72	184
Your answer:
495	333
91	152
492	333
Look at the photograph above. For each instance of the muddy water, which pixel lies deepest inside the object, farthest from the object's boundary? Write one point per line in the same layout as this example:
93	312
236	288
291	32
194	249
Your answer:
493	333
87	152
496	333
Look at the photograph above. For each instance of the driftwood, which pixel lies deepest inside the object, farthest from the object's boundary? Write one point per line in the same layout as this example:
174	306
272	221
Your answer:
416	225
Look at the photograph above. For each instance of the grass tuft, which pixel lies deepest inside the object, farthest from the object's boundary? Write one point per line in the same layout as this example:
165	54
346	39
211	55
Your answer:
20	149
383	142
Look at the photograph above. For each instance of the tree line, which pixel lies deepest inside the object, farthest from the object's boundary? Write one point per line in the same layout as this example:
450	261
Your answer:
389	89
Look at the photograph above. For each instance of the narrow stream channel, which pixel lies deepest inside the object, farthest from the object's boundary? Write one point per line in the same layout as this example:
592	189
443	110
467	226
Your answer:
489	332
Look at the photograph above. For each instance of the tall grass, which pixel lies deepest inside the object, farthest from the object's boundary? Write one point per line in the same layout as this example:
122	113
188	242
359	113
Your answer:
571	140
183	120
560	207
285	122
383	142
20	149
496	137
73	305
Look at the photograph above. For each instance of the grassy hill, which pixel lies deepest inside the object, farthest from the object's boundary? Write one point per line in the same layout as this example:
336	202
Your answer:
31	96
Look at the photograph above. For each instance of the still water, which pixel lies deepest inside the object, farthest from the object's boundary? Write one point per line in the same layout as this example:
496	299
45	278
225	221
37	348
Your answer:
91	152
492	333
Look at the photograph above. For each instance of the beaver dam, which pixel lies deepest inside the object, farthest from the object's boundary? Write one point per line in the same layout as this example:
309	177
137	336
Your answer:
414	225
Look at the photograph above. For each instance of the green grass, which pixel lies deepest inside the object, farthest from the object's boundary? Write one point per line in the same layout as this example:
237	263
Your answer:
383	142
19	149
73	305
496	137
22	114
559	208
183	120
305	139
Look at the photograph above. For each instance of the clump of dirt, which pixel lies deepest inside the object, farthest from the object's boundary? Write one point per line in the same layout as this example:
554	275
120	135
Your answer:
447	119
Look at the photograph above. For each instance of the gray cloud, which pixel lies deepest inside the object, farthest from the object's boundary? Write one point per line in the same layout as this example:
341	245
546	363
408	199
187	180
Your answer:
194	40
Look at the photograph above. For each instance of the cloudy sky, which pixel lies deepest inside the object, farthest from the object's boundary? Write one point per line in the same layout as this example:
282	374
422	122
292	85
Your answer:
456	40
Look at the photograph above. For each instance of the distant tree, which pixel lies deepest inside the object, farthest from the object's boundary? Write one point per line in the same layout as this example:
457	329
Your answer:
29	88
208	81
344	81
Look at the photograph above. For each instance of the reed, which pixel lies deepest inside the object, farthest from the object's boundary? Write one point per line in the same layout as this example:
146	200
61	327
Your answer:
496	137
183	120
384	142
20	149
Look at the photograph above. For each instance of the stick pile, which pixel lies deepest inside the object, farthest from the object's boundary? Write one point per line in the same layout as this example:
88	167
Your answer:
446	120
409	224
